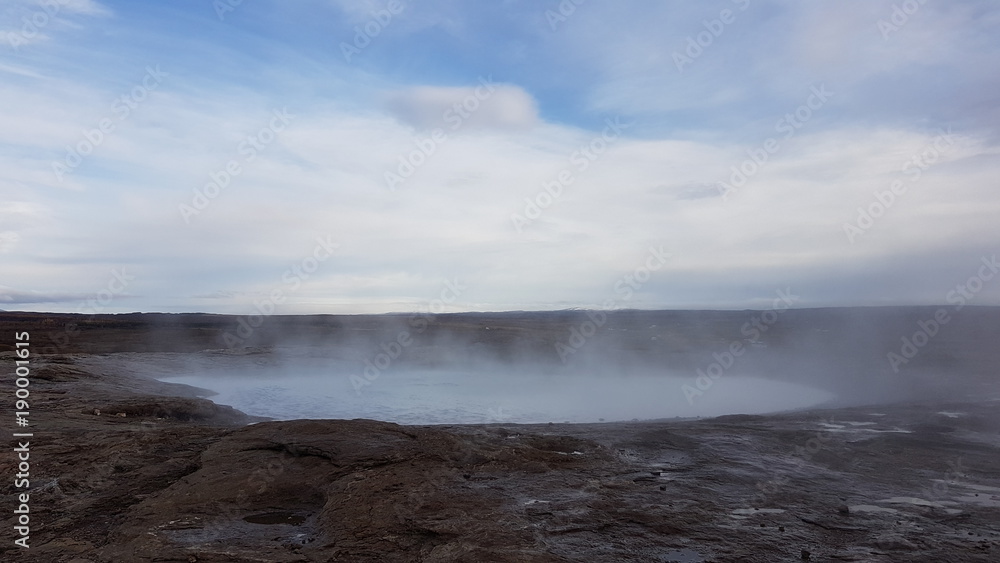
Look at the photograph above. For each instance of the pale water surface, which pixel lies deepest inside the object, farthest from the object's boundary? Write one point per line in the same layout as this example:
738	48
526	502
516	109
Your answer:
441	396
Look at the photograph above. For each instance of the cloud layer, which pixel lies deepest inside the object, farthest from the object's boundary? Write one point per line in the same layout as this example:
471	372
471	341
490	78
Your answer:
164	158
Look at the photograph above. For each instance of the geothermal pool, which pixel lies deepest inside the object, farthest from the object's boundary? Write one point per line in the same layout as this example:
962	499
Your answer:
457	396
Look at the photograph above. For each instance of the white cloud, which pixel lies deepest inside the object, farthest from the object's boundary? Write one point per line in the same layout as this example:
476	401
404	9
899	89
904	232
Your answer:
19	71
484	106
325	175
25	22
88	7
8	239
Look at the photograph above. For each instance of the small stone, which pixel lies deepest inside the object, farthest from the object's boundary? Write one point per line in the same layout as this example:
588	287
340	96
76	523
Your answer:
781	528
844	509
806	555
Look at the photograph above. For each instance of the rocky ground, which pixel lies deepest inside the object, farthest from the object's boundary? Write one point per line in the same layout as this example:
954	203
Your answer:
125	468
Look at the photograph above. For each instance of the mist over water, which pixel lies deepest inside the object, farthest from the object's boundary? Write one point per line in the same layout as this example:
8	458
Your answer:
517	368
517	394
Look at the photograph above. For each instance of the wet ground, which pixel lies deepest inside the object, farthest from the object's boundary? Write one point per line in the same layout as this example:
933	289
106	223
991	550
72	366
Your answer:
180	479
128	468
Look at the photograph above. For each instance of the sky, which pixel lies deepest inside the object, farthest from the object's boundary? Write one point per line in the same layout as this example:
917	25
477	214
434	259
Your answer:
356	156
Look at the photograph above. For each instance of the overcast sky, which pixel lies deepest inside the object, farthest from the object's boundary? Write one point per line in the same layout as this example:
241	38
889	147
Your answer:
193	155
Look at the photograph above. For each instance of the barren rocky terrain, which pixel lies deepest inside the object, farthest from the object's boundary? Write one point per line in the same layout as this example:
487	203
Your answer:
126	468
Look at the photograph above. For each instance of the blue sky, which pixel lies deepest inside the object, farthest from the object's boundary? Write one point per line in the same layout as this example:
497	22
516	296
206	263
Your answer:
363	170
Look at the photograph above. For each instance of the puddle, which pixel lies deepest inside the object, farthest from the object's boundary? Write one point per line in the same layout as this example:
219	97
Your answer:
981	500
859	427
913	500
861	508
289	518
682	556
983	488
740	512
